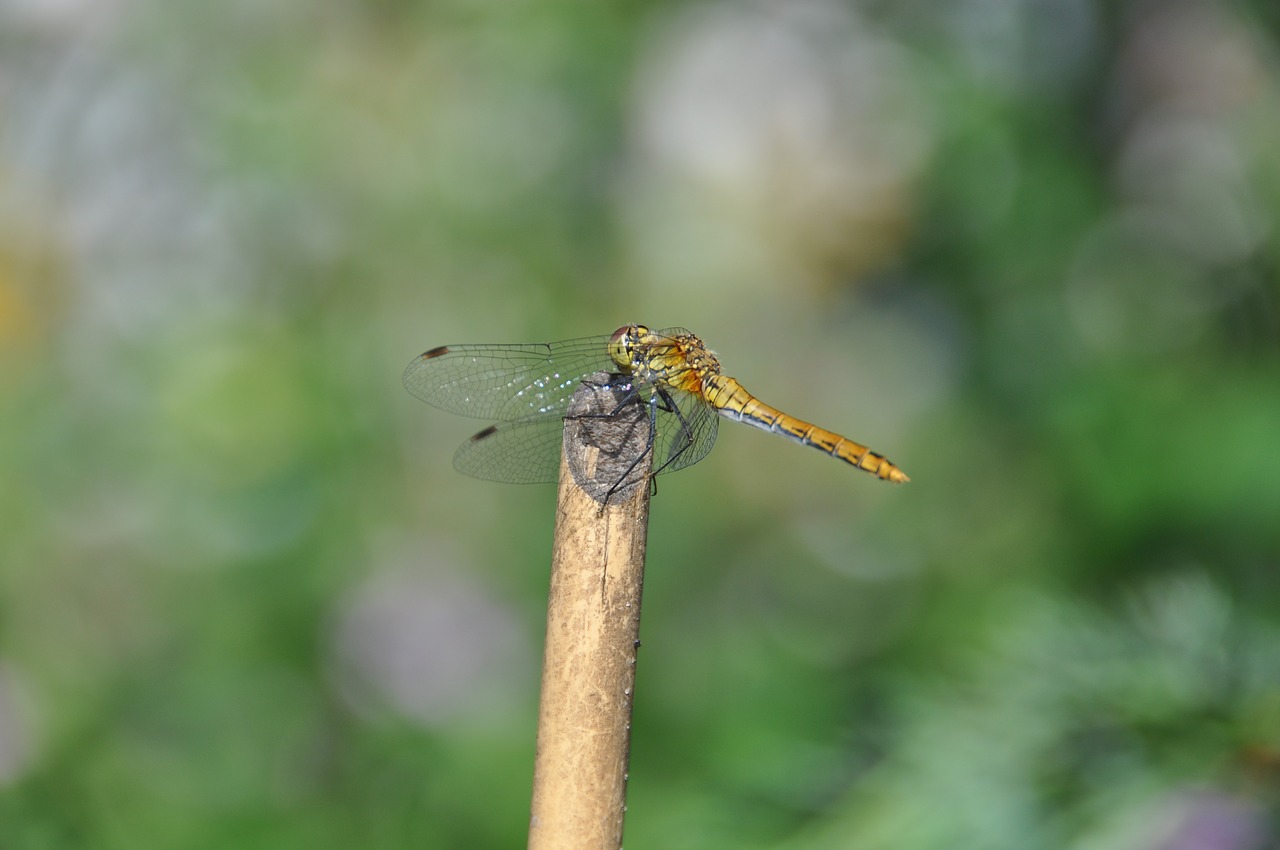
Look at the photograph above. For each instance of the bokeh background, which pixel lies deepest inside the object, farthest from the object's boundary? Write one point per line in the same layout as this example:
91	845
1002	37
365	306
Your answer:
1026	248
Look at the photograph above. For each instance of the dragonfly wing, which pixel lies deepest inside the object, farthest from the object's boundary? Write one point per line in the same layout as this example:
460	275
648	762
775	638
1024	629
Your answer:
685	434
506	382
526	451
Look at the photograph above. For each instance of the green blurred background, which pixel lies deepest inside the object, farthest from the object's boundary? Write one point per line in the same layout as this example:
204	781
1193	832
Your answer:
1027	249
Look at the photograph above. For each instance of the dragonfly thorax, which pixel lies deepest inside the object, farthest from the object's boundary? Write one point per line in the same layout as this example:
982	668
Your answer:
673	359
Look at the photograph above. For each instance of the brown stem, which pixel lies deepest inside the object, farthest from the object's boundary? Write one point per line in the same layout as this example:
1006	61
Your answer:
593	627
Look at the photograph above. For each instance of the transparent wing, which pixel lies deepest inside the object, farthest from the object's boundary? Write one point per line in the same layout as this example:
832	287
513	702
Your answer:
527	451
508	383
684	439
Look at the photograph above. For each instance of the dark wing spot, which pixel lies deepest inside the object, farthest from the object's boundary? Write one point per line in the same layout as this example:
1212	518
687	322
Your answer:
486	432
435	352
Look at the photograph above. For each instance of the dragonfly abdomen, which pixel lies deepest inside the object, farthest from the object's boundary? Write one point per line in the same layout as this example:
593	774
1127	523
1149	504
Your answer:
733	401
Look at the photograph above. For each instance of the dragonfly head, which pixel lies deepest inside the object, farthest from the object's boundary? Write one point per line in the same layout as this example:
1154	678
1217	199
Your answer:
622	346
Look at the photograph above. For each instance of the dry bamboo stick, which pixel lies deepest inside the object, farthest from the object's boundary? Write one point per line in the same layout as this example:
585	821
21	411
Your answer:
593	626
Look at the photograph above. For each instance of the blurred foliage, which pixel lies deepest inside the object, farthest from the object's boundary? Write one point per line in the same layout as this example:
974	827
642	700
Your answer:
1028	250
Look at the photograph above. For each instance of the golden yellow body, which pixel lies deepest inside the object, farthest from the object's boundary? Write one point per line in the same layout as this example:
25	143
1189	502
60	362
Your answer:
681	362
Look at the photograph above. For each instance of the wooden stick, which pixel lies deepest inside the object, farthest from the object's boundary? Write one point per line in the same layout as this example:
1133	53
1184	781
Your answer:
593	626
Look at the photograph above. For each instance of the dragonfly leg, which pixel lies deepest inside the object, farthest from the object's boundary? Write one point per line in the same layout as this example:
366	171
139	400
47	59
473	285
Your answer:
648	449
631	395
624	395
668	404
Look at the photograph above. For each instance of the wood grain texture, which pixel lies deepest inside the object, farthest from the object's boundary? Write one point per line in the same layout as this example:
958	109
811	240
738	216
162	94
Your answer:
593	628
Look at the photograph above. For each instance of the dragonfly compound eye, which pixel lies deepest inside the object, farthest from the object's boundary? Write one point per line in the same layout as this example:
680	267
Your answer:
620	346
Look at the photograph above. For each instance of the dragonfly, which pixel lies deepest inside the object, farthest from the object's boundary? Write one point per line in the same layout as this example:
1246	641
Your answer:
526	389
